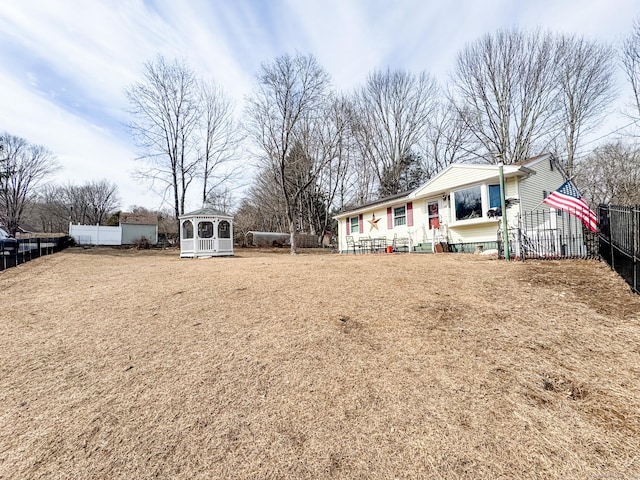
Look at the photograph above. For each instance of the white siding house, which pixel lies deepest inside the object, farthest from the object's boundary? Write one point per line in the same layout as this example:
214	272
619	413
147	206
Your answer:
458	210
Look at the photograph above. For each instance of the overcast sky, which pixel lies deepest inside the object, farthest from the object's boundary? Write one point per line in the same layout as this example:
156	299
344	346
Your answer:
64	64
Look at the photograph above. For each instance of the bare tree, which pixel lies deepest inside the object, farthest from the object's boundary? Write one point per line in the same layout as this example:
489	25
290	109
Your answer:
503	88
334	148
220	142
391	117
585	77
91	203
94	202
101	199
263	209
26	167
631	64
220	198
610	174
47	211
448	140
165	107
290	97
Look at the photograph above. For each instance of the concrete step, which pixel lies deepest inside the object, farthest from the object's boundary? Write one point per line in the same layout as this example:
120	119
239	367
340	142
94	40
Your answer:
423	247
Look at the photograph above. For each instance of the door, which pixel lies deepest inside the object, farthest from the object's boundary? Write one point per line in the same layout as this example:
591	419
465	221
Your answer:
434	217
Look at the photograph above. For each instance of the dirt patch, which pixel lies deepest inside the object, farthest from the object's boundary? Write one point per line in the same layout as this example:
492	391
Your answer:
137	364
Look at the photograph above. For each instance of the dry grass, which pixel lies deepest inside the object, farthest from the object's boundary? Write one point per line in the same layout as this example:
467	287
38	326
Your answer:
120	364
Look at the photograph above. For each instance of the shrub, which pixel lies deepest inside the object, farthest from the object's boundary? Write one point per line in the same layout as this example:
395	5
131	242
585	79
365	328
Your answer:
142	244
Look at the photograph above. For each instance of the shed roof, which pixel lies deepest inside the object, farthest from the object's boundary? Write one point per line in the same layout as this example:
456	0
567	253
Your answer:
138	218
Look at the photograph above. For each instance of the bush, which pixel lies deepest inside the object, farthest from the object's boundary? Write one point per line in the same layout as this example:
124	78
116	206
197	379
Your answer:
142	244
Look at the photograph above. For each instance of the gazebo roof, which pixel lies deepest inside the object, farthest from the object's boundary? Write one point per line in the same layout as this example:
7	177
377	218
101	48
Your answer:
206	212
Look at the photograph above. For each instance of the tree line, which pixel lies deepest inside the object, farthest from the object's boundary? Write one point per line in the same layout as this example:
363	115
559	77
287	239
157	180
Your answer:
313	150
26	196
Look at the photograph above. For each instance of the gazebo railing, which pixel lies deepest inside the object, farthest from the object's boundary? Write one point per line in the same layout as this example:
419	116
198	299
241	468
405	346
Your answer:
206	244
225	244
186	244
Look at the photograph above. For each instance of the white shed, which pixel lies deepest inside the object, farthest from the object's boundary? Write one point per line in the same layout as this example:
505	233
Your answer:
206	233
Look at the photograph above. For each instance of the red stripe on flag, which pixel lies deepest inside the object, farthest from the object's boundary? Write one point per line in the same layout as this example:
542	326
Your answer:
574	206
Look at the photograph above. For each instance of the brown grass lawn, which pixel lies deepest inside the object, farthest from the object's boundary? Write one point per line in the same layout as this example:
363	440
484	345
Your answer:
123	364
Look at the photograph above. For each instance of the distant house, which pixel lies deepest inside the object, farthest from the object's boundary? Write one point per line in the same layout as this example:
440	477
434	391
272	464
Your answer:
458	209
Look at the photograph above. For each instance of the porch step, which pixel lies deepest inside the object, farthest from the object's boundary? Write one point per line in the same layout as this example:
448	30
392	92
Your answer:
423	248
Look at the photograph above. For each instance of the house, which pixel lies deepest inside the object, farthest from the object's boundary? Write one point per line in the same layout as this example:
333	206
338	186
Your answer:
457	210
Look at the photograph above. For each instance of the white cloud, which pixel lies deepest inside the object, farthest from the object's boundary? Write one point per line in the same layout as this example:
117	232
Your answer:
86	151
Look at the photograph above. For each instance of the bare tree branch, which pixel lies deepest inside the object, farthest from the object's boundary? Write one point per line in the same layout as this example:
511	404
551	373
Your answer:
283	111
26	167
165	108
391	117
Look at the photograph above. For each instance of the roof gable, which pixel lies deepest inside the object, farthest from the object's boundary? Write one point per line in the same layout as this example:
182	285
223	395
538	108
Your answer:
460	175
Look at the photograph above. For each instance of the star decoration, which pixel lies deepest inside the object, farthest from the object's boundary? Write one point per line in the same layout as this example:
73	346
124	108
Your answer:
373	222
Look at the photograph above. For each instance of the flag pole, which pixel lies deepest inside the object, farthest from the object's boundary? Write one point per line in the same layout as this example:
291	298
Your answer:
503	206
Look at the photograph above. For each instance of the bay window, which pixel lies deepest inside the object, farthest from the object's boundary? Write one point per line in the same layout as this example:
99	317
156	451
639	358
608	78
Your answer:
468	203
474	202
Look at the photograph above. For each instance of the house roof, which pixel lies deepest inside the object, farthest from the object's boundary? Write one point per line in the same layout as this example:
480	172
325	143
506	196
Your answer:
383	202
206	212
459	175
454	176
138	218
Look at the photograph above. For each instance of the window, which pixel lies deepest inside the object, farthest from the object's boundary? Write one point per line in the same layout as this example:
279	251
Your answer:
399	216
187	229
224	230
494	196
354	225
205	230
468	203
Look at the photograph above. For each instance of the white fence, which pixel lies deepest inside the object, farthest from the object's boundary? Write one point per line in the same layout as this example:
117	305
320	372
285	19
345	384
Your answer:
95	234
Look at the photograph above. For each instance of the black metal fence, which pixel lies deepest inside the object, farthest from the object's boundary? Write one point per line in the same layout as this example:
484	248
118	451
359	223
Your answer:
549	234
26	249
620	241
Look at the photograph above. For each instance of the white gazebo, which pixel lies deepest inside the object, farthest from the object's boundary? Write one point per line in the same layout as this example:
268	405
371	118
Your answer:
206	233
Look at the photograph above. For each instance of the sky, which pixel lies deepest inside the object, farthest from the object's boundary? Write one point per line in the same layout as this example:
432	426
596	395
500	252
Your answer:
65	64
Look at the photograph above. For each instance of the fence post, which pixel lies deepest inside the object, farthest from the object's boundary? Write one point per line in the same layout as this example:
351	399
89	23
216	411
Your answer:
635	232
611	238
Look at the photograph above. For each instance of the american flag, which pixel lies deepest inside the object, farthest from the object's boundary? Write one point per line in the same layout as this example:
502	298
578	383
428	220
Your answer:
568	198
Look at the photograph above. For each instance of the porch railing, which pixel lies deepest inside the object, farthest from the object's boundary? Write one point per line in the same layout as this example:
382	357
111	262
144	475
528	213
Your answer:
549	234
